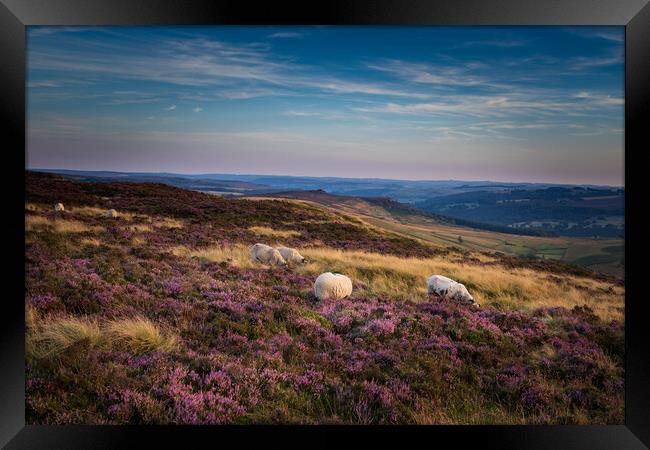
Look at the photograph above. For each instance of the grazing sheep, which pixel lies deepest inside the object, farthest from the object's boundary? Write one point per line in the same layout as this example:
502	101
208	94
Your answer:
332	285
267	255
291	255
111	213
59	207
446	287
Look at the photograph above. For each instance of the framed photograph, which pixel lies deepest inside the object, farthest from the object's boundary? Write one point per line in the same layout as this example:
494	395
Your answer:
393	221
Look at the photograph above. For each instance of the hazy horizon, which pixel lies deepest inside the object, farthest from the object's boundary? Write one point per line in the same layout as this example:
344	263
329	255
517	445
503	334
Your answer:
502	104
250	174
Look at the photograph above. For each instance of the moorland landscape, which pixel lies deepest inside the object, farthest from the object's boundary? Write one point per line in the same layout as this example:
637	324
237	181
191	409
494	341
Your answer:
159	315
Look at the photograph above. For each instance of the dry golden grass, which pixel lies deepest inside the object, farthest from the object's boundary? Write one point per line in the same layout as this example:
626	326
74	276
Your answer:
88	211
309	221
137	241
405	278
270	232
91	242
33	223
237	255
167	222
139	335
157	222
91	211
52	337
139	228
32	317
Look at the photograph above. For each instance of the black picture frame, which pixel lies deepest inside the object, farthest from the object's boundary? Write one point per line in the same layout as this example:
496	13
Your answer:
15	15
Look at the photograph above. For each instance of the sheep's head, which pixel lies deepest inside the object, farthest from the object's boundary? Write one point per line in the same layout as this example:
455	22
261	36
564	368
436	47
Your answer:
469	300
462	295
280	261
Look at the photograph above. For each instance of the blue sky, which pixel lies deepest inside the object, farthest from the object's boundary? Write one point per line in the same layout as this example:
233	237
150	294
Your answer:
471	103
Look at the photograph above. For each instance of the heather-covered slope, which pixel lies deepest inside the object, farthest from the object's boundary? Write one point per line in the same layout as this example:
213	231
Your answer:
210	218
158	317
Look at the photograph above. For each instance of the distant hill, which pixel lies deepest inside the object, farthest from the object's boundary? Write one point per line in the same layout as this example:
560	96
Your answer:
385	206
566	211
530	209
234	187
605	255
405	191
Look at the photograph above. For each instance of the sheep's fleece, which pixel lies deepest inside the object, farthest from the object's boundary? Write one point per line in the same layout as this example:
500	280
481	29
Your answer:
111	213
291	255
59	207
446	287
333	286
267	255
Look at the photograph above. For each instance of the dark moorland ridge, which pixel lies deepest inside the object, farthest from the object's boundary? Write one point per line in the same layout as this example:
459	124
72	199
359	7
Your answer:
533	209
252	345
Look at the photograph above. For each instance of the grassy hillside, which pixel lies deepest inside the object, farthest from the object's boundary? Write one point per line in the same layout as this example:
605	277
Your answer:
159	316
602	255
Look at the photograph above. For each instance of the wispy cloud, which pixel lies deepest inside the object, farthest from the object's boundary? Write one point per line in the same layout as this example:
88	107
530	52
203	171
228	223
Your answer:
205	63
247	93
600	132
513	116
301	113
504	43
440	75
320	115
596	99
613	35
285	35
614	57
170	108
37	31
60	82
422	73
196	110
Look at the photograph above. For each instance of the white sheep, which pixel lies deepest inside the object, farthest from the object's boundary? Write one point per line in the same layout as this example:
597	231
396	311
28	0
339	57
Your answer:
111	213
291	255
446	287
59	207
332	285
267	255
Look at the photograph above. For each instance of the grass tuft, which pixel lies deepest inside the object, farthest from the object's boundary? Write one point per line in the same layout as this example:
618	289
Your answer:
270	232
236	255
55	336
167	222
139	335
63	226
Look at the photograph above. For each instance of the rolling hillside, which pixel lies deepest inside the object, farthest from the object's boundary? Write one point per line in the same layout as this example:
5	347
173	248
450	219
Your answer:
603	255
159	316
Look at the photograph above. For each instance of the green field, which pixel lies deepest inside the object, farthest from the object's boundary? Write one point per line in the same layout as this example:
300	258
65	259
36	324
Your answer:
604	255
